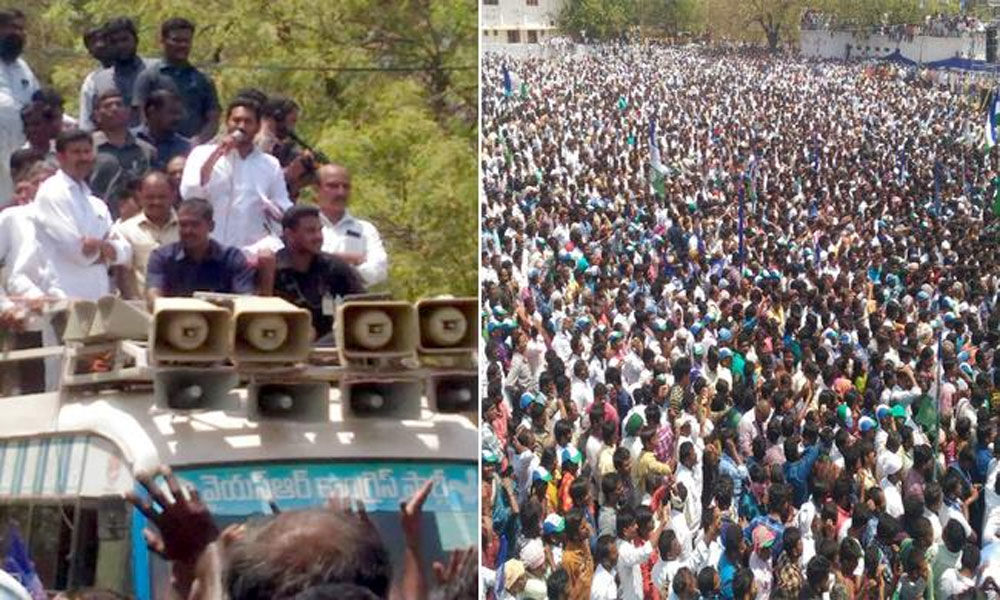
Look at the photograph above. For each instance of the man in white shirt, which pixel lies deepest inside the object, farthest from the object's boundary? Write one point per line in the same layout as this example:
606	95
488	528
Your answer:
630	556
74	226
245	186
26	272
603	585
344	235
17	84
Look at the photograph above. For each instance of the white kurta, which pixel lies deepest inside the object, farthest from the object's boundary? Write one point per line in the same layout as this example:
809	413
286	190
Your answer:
17	84
26	271
242	192
354	235
65	213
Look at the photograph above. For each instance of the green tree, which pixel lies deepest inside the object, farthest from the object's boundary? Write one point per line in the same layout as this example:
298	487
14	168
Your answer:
386	88
774	17
598	19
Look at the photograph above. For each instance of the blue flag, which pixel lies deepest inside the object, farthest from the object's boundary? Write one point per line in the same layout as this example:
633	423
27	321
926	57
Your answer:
17	563
507	86
501	559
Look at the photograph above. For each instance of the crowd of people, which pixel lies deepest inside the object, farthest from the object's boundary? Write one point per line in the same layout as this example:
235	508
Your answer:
158	189
741	330
934	25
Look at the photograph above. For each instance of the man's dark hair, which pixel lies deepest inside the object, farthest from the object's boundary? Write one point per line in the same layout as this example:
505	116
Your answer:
121	24
158	99
175	24
252	94
22	160
574	521
295	214
48	97
279	107
623	520
92	35
609	484
604	545
244	102
9	15
817	571
199	206
296	551
557	585
71	136
337	591
953	535
706	581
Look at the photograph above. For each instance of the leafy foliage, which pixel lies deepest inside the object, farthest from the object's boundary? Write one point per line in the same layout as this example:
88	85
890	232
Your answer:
772	21
386	88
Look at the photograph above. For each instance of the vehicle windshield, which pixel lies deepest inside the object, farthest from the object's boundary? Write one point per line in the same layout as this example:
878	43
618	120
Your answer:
235	493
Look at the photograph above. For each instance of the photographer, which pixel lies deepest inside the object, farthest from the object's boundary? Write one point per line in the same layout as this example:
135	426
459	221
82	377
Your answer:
277	138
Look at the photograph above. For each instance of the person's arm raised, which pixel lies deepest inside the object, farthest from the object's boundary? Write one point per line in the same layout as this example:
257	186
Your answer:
412	585
185	533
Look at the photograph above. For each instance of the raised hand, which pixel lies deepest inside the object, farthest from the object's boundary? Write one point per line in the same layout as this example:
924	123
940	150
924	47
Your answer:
457	580
185	526
409	512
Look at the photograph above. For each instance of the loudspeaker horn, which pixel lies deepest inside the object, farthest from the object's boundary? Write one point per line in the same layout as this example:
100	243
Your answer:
381	398
79	319
195	389
456	392
304	402
447	325
118	319
270	330
373	329
189	330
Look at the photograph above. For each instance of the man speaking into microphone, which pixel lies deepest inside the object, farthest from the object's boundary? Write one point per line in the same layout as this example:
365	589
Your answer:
245	186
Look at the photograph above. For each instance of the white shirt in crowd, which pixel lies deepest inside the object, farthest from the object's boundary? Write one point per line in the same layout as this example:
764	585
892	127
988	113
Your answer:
26	271
88	93
603	586
17	84
630	559
354	235
953	583
65	213
245	193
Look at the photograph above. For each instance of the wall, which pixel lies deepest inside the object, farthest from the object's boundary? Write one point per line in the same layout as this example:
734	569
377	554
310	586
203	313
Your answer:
519	13
825	44
531	24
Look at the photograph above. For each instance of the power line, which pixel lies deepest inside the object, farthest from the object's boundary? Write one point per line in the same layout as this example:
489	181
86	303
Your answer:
212	66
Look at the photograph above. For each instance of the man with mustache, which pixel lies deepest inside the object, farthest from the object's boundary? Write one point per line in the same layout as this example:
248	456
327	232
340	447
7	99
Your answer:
17	84
120	40
245	187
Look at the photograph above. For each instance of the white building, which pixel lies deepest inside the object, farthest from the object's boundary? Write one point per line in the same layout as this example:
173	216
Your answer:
511	22
921	48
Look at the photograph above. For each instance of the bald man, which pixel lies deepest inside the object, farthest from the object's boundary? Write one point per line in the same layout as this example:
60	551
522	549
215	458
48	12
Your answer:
344	235
155	226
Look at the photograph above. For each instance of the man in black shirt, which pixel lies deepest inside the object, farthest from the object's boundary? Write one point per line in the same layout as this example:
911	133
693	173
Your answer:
308	277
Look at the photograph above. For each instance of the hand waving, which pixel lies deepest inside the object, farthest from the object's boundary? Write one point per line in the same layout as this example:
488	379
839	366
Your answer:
457	580
185	526
409	513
